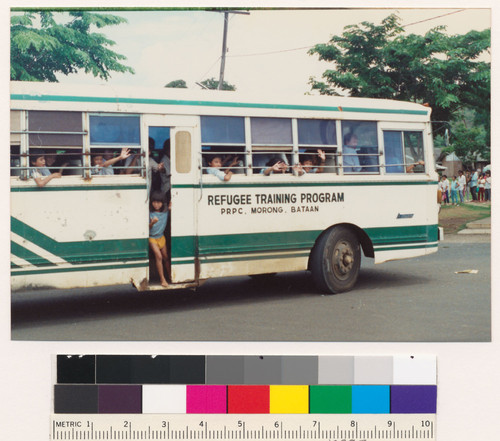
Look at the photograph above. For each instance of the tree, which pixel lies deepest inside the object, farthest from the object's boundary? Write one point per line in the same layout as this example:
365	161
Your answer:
212	83
41	47
179	84
469	139
383	62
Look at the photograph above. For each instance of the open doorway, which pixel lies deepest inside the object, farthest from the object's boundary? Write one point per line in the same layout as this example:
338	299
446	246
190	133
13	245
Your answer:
159	189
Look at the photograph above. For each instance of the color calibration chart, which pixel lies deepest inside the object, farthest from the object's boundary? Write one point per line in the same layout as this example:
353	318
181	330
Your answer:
196	397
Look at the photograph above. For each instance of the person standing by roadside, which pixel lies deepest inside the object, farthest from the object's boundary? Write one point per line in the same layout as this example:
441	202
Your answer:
480	185
445	189
454	191
487	187
461	185
473	184
468	177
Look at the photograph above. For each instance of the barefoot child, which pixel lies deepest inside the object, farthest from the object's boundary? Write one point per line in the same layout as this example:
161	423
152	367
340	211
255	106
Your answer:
158	217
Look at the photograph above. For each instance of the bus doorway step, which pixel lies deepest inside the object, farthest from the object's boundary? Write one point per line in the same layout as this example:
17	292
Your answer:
156	286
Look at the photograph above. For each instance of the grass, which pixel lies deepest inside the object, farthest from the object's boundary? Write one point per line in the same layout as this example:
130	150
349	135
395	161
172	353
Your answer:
454	218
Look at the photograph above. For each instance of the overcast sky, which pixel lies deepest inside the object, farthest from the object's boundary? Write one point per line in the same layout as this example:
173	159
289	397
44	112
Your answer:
267	49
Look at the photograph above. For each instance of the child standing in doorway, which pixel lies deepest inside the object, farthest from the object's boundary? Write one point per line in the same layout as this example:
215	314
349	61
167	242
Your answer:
158	218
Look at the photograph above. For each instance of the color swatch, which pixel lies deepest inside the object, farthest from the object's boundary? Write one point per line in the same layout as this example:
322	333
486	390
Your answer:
245	384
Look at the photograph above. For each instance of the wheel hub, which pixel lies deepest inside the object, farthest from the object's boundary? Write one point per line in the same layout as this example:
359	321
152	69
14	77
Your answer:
343	258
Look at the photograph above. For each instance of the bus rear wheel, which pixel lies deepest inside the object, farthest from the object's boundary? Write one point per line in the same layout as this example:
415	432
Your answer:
335	261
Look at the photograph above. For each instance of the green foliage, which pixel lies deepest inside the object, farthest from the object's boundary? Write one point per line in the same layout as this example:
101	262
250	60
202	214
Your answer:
469	137
179	84
383	62
470	143
41	47
212	83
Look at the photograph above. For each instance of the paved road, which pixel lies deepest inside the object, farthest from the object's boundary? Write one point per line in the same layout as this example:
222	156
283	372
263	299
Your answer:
414	300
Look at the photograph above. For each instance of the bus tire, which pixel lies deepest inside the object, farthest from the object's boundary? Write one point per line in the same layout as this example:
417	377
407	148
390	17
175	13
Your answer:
335	261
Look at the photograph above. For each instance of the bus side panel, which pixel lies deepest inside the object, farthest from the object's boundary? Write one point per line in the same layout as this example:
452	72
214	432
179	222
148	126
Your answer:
78	236
251	229
409	238
183	242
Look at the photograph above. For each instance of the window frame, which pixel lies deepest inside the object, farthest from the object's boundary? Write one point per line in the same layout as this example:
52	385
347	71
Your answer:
403	127
220	146
377	155
91	148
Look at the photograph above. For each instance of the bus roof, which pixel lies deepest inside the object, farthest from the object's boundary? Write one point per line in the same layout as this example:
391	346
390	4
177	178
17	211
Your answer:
51	96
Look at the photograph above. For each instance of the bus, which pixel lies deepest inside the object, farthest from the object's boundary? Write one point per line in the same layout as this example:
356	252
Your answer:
304	184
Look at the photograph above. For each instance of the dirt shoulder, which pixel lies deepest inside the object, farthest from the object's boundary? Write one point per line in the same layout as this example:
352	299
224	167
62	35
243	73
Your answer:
454	218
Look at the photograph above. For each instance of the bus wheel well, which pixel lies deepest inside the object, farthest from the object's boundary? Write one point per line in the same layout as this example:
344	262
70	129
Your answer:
364	240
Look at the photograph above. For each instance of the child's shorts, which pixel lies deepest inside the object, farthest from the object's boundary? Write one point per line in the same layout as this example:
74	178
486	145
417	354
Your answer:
160	241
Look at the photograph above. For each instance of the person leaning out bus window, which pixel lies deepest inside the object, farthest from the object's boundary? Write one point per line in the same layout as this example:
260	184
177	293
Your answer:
307	164
410	167
41	174
275	165
103	166
350	154
214	168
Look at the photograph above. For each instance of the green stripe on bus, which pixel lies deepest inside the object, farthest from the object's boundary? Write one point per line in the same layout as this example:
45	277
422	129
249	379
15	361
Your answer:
406	247
210	260
247	243
184	247
56	269
303	184
84	251
28	255
402	235
82	187
246	258
118	100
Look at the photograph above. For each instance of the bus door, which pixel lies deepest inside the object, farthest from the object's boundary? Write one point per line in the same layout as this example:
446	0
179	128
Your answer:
185	169
172	136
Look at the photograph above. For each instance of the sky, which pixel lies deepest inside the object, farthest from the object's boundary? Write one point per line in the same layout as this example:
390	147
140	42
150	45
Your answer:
267	49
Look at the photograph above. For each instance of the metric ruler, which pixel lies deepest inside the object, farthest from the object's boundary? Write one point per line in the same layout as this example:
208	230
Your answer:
331	427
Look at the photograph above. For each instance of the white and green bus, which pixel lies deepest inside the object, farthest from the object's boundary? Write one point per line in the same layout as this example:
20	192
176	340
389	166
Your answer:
371	187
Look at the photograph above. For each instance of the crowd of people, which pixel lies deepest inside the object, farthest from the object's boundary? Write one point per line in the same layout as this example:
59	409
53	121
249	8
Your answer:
221	166
468	186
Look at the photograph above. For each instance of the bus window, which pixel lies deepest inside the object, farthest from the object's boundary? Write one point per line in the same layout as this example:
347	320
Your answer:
114	130
414	151
223	136
15	143
108	135
58	136
271	143
403	151
360	147
15	160
393	152
314	135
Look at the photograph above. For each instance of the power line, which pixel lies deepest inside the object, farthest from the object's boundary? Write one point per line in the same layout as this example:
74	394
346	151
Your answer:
211	67
273	52
309	47
433	18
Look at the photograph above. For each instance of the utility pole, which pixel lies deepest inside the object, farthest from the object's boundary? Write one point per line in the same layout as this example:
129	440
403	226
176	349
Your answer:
224	44
224	50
